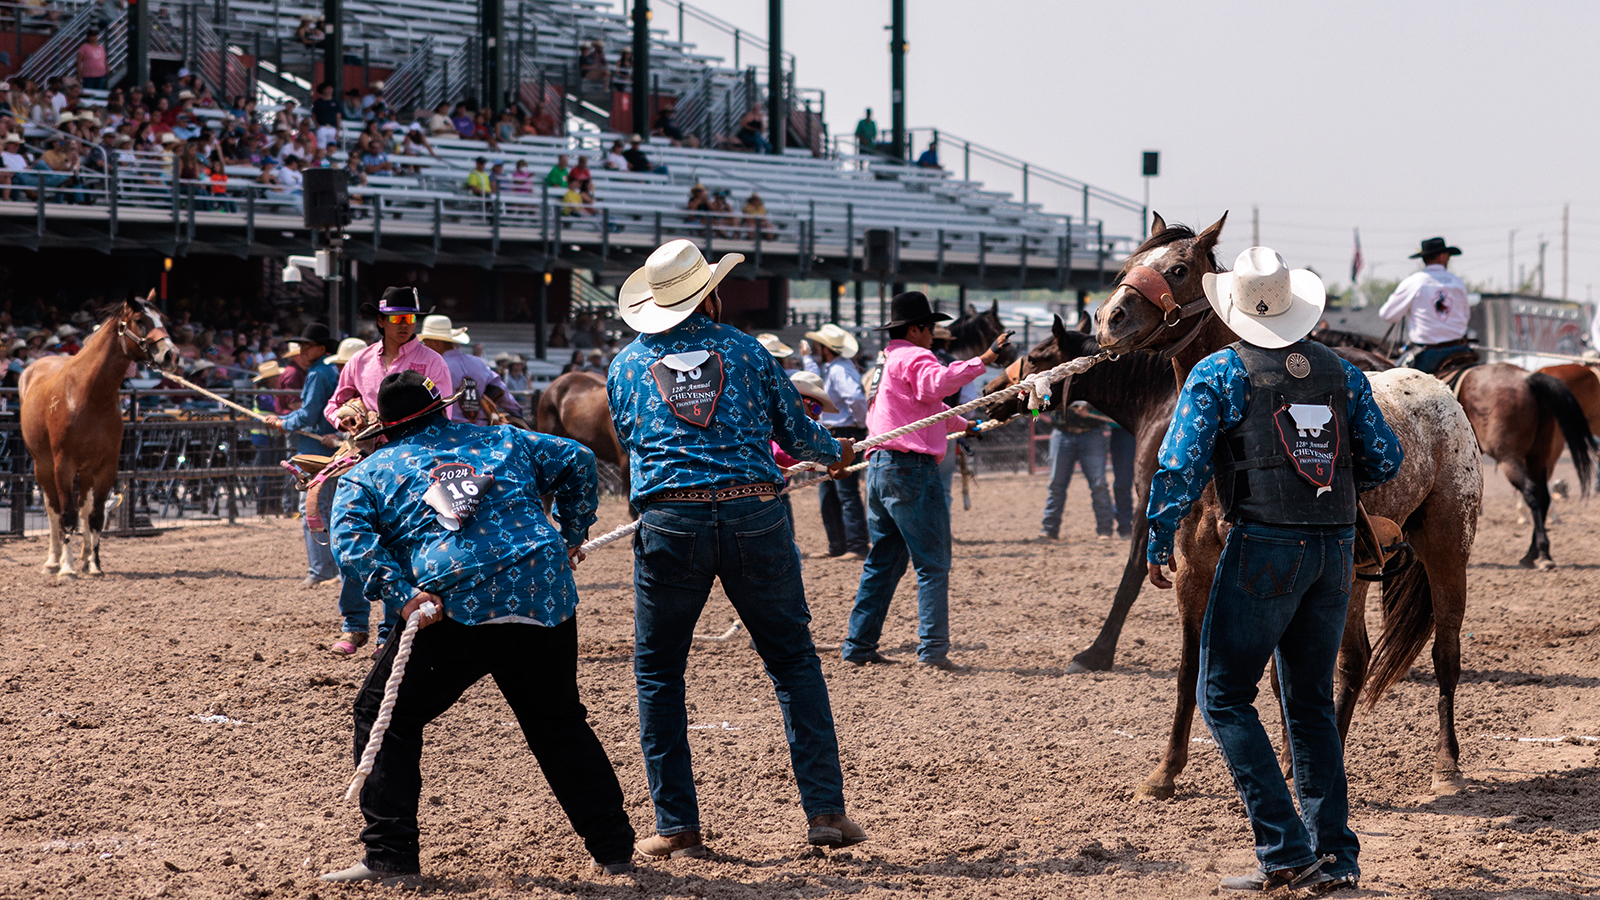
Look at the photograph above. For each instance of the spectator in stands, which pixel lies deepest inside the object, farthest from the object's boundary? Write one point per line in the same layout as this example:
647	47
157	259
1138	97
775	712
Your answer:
521	178
481	130
699	202
558	337
580	172
750	132
478	180
721	211
622	74
351	108
557	176
11	162
573	364
203	98
592	61
358	173
505	129
755	216
373	160
324	109
614	160
497	174
665	127
867	134
289	177
372	100
572	200
288	118
439	123
930	157
637	160
92	61
184	127
461	120
312	31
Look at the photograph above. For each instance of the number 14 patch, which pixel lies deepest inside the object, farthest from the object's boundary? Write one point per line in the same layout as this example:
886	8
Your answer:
455	493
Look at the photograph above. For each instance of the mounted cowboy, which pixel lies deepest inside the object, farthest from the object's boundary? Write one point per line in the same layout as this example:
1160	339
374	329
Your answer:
1436	301
471	376
355	402
696	402
1293	434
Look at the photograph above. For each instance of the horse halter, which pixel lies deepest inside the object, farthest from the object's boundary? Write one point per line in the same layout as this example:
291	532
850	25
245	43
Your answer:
144	343
1152	286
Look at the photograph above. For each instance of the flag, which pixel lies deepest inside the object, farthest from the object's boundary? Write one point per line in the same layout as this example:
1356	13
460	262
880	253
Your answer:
1355	259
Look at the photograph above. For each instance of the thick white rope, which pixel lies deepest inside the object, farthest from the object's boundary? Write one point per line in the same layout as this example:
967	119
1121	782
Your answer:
260	417
391	692
1036	386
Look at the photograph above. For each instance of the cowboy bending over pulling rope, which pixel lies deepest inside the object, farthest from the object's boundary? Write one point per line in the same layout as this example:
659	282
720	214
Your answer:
695	403
450	513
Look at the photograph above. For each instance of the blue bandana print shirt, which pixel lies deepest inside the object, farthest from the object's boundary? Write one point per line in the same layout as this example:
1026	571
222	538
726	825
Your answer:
1214	399
758	404
508	559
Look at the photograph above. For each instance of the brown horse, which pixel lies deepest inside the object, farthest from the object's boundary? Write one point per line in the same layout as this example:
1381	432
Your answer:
973	332
1435	498
575	406
72	425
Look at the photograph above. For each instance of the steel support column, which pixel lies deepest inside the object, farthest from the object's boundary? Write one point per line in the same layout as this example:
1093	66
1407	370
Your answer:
897	76
333	48
138	43
492	25
777	98
641	67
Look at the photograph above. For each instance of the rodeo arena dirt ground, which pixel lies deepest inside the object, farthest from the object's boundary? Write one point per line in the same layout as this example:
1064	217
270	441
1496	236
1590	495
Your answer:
179	729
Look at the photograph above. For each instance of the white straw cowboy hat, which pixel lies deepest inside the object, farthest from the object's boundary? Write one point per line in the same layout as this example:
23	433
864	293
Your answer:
348	348
438	328
810	387
836	339
1264	301
670	286
777	348
268	369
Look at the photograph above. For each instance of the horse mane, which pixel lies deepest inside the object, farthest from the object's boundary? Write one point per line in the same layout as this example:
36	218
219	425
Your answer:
1171	235
1131	381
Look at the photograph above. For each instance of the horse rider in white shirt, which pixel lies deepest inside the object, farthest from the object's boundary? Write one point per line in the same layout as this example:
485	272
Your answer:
1437	303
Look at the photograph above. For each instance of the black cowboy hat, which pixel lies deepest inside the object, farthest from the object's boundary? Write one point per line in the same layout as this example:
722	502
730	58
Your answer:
397	301
405	397
1434	246
315	333
911	308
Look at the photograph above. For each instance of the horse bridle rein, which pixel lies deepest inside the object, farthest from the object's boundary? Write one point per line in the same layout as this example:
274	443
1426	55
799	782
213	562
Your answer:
1152	286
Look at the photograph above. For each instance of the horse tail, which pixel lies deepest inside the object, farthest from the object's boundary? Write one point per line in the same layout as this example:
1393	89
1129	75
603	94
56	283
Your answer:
1407	625
1555	397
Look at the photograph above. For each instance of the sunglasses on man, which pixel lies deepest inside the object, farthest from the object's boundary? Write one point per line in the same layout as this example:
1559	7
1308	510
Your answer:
403	318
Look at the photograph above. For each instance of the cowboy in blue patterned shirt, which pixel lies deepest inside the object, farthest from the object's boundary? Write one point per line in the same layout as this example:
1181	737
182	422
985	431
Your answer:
695	403
451	512
1293	434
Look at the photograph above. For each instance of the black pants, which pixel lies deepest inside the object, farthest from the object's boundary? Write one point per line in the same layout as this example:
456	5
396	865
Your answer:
536	669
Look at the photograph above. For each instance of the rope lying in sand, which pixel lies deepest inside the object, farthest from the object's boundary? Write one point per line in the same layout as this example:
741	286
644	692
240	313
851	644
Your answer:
1036	386
391	691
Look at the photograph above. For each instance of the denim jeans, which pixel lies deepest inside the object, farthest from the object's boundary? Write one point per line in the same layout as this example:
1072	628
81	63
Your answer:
1123	446
844	518
908	519
679	549
536	669
1089	451
1282	592
319	548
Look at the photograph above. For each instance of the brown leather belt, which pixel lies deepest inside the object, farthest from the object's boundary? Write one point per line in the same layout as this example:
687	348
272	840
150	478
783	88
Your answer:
712	495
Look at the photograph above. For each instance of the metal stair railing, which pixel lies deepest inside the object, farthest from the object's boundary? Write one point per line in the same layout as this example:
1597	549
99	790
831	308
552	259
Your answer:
59	55
403	88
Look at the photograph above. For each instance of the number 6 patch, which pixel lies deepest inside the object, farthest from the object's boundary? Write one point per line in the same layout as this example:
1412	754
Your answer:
455	493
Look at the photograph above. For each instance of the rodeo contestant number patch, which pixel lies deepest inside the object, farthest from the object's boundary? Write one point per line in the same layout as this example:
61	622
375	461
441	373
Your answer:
691	384
456	491
1309	433
471	402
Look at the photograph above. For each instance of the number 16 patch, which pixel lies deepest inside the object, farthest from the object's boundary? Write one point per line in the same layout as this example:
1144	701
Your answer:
455	493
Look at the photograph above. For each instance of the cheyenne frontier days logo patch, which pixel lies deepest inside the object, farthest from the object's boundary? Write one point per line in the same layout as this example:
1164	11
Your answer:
1310	435
690	383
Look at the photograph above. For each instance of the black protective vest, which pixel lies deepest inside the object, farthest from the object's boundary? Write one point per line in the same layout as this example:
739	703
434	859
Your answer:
1288	462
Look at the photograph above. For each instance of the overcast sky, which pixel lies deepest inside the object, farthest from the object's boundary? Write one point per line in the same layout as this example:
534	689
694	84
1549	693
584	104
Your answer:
1406	119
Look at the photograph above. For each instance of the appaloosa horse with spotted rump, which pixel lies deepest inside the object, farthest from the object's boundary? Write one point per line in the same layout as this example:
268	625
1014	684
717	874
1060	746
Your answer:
72	425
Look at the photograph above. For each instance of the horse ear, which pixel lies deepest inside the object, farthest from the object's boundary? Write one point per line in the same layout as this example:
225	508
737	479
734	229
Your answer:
1157	224
1208	238
994	309
1058	328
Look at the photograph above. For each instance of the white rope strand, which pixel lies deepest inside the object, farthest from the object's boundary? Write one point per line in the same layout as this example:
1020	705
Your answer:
391	692
1036	385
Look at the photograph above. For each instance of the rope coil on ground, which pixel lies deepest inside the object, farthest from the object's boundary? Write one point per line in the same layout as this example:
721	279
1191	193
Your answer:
1035	385
391	692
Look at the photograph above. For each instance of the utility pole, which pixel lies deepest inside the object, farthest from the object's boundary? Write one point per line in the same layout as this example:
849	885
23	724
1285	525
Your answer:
897	76
333	48
1542	244
1151	168
777	108
1566	209
641	68
1255	226
1511	262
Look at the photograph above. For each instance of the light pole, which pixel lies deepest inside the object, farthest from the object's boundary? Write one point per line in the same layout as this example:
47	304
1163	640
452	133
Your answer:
1152	168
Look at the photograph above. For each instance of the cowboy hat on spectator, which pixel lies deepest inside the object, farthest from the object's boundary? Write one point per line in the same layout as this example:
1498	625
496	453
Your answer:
1264	301
836	339
268	369
670	286
911	308
777	348
348	348
810	386
438	328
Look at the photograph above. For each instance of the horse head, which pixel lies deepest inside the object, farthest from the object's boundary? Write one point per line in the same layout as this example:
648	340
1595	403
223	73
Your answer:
1062	345
975	331
142	334
1158	287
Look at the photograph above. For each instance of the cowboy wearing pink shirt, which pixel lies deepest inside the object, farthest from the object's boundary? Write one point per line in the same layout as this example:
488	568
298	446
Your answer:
908	517
399	350
397	313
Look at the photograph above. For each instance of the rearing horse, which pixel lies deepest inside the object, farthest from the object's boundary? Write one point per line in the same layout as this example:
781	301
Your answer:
72	425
